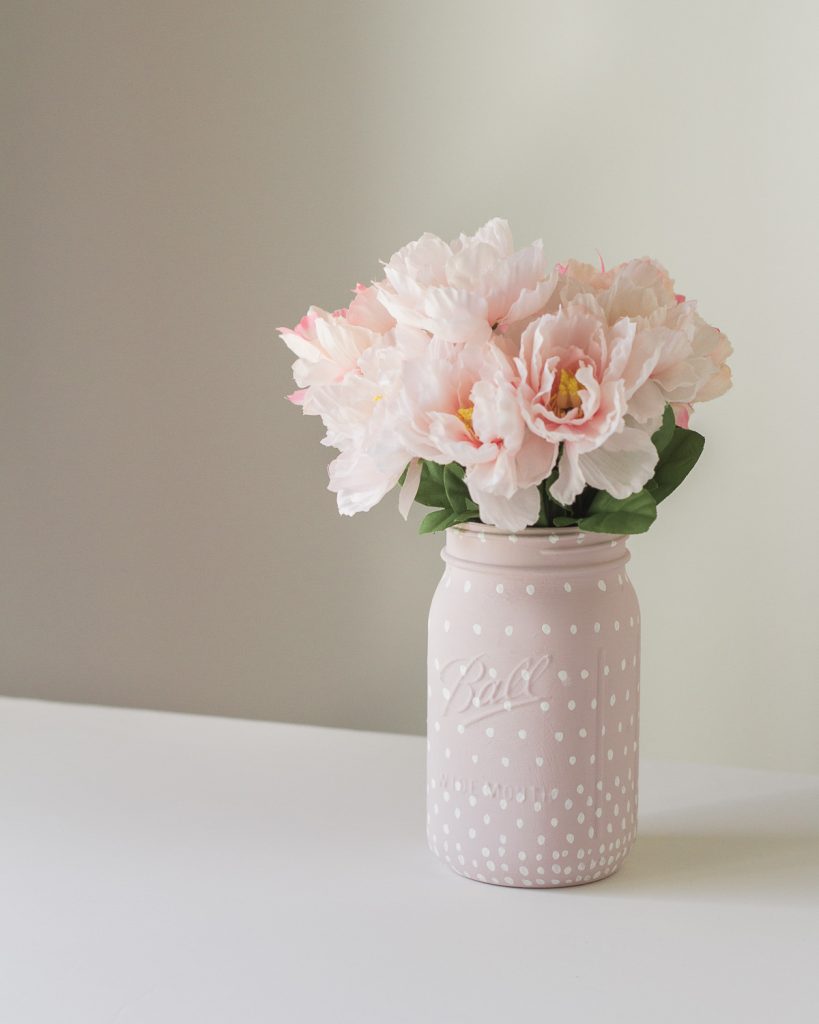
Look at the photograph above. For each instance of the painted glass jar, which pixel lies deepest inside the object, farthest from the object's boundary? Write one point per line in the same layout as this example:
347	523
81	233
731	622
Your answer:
533	706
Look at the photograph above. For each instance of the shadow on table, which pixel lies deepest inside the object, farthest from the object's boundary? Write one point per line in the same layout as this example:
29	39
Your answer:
761	851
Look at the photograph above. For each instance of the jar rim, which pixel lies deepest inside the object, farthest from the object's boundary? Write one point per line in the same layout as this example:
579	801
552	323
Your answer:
535	531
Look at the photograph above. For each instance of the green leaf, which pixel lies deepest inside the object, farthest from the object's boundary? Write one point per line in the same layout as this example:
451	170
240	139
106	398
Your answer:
663	435
677	460
431	490
633	514
435	521
443	518
457	494
565	521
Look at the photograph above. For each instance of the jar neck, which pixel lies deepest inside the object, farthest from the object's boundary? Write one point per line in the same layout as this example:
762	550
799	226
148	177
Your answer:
479	547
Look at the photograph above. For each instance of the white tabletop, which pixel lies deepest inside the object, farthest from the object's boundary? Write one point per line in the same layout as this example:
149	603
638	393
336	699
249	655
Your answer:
166	869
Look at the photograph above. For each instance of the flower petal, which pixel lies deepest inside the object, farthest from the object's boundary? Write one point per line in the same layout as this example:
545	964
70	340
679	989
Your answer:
512	514
623	465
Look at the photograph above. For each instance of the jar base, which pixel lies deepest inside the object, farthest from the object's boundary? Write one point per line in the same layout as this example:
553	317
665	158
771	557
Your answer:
537	882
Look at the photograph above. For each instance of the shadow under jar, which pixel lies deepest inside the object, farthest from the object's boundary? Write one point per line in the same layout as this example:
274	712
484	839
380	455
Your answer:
533	706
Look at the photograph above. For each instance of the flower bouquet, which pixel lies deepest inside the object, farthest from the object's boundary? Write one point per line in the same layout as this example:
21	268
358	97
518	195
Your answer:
498	389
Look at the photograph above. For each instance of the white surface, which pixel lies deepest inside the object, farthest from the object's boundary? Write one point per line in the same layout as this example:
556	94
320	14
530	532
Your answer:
166	869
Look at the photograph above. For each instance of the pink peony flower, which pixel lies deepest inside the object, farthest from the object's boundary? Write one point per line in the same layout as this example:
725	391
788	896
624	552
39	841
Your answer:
464	290
360	415
327	347
689	355
457	403
575	377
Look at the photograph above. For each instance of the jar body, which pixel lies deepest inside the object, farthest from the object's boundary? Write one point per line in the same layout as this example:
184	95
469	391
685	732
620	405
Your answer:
533	707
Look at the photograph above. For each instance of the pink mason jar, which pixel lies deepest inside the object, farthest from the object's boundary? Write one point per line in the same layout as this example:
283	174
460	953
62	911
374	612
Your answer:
533	706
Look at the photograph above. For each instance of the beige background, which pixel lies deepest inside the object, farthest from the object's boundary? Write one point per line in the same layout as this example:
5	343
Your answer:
180	178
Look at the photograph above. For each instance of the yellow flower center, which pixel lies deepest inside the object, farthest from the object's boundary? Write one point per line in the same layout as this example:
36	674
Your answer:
565	394
465	416
378	398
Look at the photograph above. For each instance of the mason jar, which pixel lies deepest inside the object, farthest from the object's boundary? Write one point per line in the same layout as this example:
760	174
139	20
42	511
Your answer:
533	706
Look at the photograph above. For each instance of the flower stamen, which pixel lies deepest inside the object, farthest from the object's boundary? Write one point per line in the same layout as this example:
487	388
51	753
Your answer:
465	416
565	394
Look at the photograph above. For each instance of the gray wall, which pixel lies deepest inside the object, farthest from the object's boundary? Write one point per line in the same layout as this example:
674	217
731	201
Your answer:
184	177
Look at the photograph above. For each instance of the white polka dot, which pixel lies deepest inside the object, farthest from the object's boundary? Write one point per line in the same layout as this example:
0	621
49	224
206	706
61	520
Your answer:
553	539
571	705
490	732
553	822
505	762
499	588
559	737
445	693
493	673
573	629
541	840
612	700
623	665
476	629
461	729
610	755
507	705
467	586
567	587
606	670
593	703
547	629
525	675
597	627
446	626
601	584
563	675
522	734
509	630
544	705
519	822
530	589
582	734
584	673
616	625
